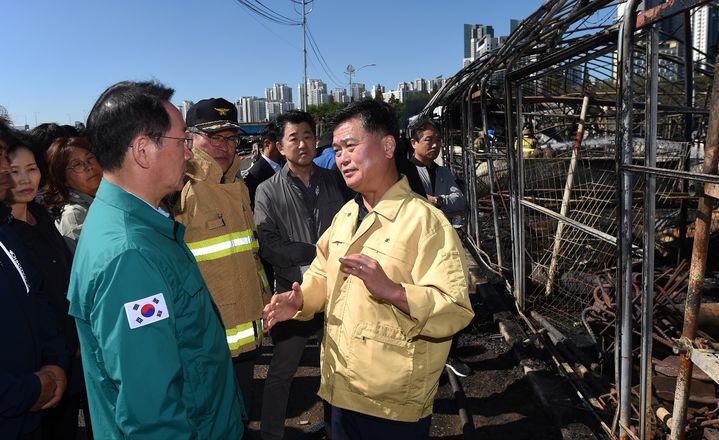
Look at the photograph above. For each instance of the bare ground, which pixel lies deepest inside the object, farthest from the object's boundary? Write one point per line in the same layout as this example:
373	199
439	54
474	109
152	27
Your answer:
498	395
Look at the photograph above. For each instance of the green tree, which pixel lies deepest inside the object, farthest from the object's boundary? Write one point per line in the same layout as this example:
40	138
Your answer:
378	96
324	113
397	106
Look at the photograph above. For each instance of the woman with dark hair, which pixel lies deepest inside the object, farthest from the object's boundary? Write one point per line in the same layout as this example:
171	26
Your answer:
73	178
51	258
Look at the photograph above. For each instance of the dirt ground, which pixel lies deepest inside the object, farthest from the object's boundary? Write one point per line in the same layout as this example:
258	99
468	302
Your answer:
498	395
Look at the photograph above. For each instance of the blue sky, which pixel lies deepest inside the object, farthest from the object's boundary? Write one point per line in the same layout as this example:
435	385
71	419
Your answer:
59	56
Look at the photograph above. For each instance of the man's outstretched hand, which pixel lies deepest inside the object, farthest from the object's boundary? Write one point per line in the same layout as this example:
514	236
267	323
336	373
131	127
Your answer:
282	307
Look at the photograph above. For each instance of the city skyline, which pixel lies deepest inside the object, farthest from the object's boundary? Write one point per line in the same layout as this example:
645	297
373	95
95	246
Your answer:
75	49
278	97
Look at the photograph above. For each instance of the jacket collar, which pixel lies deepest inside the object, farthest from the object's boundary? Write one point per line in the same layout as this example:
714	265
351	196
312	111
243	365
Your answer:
203	167
285	171
392	200
119	198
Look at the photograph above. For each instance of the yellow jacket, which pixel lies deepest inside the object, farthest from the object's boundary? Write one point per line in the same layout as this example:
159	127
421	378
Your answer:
375	359
222	236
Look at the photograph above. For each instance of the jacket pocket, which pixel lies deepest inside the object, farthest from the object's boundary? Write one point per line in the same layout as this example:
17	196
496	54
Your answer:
192	284
215	223
201	387
381	360
394	258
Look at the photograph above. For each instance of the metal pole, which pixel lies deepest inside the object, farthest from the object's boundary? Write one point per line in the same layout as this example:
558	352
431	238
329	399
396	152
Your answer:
513	192
552	272
624	216
702	229
304	51
491	147
688	128
350	70
650	188
470	174
520	208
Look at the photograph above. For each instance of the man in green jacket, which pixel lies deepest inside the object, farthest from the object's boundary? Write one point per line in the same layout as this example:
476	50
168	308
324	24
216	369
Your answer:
153	346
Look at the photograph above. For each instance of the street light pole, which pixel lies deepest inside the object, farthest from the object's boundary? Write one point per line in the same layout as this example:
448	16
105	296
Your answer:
350	71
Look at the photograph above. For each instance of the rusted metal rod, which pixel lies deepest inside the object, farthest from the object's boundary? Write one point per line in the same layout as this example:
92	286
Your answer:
702	229
552	271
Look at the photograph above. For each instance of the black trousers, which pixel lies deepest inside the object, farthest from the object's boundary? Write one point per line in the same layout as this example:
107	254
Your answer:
289	339
351	425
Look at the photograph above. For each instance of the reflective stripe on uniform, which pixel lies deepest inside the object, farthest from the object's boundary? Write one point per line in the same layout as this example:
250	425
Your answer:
223	245
243	334
263	277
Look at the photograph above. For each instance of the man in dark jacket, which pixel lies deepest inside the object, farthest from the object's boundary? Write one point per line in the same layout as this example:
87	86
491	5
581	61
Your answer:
292	209
31	350
269	162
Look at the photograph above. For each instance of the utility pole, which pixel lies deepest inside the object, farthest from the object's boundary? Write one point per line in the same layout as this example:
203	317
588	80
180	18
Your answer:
304	51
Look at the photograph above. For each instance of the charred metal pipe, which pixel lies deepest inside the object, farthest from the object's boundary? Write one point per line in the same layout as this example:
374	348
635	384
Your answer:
490	147
623	356
650	189
702	228
568	352
461	399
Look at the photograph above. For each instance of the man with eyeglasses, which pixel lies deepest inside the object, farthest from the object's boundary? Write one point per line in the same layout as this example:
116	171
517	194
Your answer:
152	342
215	208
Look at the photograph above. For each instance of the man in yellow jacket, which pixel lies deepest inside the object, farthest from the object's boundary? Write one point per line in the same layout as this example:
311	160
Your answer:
391	277
221	233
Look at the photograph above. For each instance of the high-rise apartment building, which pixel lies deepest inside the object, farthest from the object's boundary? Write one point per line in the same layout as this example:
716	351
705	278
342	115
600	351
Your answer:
275	108
278	99
252	109
705	33
420	85
436	83
279	93
472	34
339	95
316	92
357	92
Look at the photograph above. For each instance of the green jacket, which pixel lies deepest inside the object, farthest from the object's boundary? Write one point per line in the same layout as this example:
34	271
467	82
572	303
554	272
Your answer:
153	346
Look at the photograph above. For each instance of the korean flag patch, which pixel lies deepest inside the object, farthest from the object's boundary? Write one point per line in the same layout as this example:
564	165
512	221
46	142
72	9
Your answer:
146	311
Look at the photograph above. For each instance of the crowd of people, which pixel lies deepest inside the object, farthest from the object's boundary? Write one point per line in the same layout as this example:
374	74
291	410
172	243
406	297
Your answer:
140	268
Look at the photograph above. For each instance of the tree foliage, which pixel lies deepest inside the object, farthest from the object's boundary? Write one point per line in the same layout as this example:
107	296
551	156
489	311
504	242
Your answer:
324	113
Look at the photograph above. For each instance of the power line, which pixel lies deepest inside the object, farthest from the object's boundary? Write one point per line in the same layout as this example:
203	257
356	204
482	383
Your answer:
321	59
267	13
270	11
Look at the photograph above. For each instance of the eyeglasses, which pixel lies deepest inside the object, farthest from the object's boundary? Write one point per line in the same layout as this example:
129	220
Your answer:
80	166
217	140
187	141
